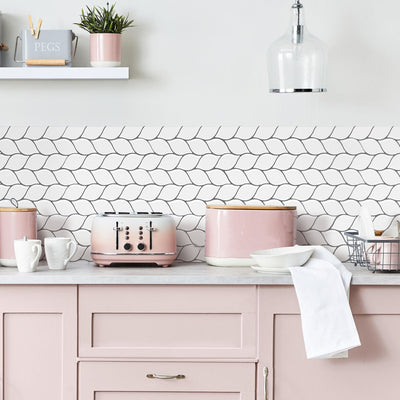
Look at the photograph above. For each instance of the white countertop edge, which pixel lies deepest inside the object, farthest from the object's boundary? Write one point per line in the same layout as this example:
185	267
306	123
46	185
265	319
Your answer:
87	273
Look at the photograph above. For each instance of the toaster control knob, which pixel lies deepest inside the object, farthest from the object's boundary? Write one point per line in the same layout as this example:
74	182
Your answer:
141	246
127	246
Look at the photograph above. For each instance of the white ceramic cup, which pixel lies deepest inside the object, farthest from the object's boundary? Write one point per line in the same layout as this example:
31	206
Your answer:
27	254
59	251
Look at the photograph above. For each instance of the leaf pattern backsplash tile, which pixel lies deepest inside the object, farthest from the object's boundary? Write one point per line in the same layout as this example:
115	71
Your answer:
72	173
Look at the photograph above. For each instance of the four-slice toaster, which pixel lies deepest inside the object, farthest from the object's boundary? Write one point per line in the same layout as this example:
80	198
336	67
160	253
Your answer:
138	237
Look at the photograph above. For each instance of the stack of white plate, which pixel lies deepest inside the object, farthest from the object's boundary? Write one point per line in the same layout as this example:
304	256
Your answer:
278	260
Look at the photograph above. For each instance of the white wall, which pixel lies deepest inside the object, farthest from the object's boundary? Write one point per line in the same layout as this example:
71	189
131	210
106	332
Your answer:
203	63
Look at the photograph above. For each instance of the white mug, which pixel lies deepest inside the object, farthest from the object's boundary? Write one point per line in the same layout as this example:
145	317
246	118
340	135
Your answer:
27	254
59	251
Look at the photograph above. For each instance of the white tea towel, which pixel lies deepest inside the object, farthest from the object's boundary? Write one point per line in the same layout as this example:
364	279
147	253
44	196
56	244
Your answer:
322	286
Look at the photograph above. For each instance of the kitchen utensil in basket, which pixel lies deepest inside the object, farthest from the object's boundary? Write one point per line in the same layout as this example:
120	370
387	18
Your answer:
377	254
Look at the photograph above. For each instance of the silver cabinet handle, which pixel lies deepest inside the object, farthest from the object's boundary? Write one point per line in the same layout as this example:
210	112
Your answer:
156	376
265	371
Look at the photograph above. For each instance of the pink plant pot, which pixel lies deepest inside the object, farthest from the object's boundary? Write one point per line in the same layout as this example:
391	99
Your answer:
105	49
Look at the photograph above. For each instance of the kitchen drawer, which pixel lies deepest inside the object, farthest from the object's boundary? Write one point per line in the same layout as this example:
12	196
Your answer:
202	381
159	321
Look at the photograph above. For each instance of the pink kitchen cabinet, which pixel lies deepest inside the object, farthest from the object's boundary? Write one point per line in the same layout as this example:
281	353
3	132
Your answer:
204	334
38	329
101	342
370	372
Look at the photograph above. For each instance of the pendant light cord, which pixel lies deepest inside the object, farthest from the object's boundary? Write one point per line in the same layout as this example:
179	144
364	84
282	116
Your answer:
298	5
298	14
298	30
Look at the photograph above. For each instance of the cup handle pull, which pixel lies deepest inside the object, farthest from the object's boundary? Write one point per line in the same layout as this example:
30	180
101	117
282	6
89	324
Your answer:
156	376
37	248
71	250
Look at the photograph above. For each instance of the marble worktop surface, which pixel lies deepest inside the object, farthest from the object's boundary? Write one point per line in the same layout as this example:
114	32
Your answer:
84	272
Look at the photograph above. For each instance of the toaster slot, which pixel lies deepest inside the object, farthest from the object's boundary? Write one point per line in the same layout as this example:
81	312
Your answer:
151	236
116	236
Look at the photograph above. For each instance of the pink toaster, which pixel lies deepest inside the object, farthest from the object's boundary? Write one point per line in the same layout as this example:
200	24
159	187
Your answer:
133	238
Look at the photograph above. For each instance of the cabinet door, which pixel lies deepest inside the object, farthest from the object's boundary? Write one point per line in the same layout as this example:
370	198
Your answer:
198	381
38	336
370	372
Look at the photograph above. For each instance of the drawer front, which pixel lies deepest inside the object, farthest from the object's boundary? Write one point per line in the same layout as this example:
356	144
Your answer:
201	381
152	321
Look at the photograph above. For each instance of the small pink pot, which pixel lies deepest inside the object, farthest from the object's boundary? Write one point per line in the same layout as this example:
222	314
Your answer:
105	49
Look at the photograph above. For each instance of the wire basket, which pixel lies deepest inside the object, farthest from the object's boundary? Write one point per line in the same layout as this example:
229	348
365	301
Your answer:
378	254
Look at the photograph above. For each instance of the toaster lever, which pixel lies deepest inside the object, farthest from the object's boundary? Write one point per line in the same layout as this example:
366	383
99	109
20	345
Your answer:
151	229
117	229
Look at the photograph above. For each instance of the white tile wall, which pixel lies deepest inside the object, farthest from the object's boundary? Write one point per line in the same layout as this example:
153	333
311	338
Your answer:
71	173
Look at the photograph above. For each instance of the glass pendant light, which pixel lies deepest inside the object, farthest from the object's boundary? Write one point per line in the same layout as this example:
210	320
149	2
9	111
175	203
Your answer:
297	60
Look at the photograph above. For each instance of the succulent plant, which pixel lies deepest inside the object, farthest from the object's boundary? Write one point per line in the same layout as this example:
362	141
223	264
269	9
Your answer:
103	20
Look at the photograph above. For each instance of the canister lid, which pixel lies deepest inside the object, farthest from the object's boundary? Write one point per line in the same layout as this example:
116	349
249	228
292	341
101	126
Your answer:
227	207
13	209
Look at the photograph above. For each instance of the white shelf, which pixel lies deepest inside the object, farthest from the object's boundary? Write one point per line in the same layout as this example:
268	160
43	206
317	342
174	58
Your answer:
63	73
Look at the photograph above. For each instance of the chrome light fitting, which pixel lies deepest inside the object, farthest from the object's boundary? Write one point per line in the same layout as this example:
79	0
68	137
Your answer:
297	60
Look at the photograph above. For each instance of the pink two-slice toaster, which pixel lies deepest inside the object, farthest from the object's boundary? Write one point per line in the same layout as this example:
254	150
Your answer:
130	238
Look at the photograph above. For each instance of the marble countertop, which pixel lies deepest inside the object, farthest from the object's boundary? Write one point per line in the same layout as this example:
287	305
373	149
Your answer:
84	272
